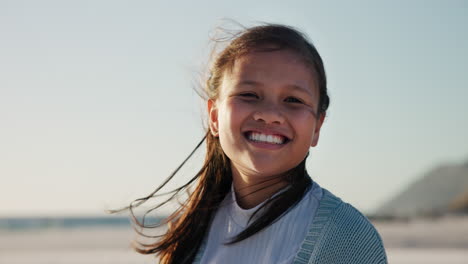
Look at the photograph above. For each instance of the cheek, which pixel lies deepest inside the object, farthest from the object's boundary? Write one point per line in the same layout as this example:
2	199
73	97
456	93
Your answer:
238	110
300	115
303	122
231	116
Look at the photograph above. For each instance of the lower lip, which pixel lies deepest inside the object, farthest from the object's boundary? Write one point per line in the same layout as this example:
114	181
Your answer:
264	145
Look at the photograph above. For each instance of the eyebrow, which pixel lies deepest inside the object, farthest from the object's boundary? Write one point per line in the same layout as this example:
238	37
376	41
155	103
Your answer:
249	82
301	89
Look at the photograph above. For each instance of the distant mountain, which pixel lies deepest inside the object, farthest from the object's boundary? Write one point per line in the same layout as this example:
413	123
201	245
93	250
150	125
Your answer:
460	204
441	190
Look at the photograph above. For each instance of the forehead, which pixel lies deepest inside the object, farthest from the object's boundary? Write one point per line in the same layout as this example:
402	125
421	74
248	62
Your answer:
278	68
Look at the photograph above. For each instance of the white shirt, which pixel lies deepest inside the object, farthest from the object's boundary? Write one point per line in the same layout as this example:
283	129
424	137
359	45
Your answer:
277	243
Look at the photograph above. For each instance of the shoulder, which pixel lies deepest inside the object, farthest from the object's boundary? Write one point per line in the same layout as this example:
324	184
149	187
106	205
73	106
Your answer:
339	233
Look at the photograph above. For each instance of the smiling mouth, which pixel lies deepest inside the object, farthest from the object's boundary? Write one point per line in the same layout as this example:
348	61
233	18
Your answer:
266	138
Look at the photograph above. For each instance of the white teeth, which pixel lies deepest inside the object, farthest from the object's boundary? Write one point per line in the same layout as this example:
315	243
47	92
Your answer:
266	138
270	139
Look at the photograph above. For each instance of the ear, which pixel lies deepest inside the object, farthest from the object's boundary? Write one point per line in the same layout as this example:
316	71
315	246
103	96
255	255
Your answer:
317	130
213	117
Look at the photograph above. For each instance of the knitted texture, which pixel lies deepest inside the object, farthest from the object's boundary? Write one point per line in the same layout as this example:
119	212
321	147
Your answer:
337	234
340	234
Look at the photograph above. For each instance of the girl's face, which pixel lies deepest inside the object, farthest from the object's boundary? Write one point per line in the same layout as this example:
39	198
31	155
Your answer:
266	113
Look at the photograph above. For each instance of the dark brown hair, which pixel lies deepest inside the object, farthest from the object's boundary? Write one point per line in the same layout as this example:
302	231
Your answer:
188	225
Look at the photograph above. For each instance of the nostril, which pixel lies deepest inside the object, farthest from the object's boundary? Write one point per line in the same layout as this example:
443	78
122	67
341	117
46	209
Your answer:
269	116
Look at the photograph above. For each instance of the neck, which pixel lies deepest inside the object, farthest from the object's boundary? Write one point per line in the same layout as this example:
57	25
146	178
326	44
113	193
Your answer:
251	191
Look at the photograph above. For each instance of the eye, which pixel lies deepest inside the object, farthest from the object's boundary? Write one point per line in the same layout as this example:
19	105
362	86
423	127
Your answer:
248	95
293	100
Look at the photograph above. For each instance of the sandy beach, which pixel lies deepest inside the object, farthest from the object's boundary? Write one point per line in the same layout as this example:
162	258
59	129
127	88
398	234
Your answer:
77	246
442	240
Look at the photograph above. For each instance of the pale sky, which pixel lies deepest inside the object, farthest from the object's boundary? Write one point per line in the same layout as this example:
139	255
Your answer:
97	104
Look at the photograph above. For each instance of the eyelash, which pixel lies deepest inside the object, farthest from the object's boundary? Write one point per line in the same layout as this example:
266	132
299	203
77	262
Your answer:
295	100
248	95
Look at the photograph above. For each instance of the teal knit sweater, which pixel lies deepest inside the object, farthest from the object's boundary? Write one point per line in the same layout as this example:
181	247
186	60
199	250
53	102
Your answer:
337	234
340	234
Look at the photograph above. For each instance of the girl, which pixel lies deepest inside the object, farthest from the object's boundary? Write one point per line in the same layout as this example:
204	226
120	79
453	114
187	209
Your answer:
253	201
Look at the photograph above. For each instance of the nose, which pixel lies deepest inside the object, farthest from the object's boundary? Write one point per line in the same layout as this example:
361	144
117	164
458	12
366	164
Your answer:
269	114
